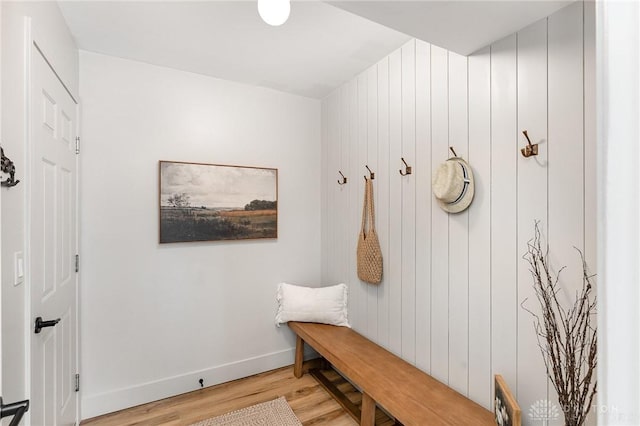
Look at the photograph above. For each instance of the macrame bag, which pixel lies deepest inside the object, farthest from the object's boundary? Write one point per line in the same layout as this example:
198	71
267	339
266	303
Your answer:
369	254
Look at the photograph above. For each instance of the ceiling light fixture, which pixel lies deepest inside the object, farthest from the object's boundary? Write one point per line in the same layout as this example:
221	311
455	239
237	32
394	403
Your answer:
274	12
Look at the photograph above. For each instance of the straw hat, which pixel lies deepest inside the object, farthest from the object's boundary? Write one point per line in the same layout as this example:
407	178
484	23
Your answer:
452	185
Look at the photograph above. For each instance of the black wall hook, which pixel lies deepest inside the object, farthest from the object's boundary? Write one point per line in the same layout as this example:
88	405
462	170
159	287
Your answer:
406	167
372	175
6	166
343	180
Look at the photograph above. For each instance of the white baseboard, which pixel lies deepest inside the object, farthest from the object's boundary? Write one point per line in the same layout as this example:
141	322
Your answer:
108	402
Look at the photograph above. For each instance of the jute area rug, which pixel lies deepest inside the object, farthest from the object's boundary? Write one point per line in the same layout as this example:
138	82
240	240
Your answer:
270	413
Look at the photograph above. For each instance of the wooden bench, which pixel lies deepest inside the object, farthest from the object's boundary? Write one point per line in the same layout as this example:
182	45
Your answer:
411	396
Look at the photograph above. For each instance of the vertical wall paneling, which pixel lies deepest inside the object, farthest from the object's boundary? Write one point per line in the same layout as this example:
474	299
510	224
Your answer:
382	202
355	201
566	150
343	205
333	130
566	142
458	234
532	201
326	174
589	120
480	379
372	160
361	287
422	176
504	254
327	234
408	184
395	204
453	284
590	149
340	145
439	219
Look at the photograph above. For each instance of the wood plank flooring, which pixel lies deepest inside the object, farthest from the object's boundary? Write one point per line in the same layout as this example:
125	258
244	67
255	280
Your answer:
309	401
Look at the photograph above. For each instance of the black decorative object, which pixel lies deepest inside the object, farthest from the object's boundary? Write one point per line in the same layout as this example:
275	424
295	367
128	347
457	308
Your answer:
16	409
7	167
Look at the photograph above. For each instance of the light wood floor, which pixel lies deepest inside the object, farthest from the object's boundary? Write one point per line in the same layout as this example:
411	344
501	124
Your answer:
310	402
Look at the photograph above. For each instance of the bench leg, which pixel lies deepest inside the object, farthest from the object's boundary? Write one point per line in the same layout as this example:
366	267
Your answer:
297	367
368	417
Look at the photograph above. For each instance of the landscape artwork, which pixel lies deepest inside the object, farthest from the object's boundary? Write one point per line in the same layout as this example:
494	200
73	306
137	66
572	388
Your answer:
210	202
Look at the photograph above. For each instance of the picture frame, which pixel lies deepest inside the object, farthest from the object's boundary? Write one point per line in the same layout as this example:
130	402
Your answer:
506	409
216	202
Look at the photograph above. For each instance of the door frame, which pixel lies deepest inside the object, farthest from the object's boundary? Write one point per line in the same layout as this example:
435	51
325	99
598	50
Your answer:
1	357
31	46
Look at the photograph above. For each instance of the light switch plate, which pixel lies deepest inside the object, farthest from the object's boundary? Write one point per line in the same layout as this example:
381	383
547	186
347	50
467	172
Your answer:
18	268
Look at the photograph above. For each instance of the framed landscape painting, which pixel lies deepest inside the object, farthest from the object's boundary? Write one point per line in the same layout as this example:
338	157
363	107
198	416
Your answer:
212	202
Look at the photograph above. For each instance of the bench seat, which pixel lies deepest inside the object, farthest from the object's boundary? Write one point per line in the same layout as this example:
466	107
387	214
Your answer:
411	396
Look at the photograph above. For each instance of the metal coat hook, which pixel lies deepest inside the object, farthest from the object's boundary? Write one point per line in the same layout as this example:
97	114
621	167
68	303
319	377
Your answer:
453	151
531	149
7	166
343	180
372	175
406	167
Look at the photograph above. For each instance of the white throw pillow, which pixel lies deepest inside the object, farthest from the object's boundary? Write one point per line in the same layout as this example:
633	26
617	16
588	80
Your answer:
327	305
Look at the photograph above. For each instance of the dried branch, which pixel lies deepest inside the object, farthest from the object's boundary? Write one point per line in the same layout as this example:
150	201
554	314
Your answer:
567	337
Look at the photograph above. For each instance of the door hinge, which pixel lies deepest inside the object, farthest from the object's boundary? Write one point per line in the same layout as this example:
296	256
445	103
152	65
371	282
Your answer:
77	382
77	144
77	262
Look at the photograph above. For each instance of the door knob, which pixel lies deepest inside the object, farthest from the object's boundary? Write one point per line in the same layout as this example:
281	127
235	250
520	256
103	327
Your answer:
40	324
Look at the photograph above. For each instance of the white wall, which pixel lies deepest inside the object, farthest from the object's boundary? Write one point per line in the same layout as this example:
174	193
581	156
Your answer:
618	212
155	318
453	284
49	29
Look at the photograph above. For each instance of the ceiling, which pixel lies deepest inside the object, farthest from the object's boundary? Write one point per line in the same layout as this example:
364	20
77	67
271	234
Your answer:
462	26
316	50
319	48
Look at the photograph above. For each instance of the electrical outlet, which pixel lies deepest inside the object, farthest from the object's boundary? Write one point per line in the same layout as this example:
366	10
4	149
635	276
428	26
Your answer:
18	268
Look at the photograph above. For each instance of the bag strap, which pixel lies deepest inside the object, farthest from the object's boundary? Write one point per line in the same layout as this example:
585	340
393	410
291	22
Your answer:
368	218
364	206
372	219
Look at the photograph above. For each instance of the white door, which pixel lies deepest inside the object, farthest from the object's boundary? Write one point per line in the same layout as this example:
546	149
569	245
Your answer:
52	245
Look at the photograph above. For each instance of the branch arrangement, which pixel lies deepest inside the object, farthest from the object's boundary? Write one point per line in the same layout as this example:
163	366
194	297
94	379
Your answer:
567	337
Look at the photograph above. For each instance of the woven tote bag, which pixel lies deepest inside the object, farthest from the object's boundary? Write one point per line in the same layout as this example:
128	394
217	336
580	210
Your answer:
369	254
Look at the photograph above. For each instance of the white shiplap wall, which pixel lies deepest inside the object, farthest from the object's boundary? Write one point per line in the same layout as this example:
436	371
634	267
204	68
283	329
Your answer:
452	288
